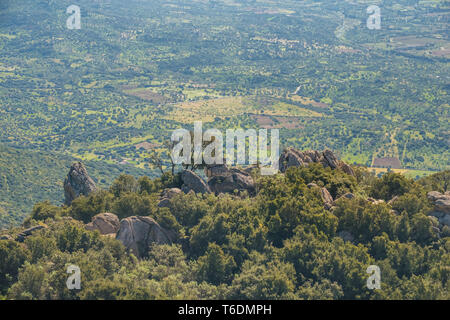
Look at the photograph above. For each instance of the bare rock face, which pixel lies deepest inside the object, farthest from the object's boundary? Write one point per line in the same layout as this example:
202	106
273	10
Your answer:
331	159
106	223
226	180
192	181
291	158
295	158
138	233
441	204
327	198
77	183
167	195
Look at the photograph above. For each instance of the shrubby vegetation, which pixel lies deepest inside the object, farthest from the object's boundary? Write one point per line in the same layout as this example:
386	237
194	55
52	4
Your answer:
98	93
281	244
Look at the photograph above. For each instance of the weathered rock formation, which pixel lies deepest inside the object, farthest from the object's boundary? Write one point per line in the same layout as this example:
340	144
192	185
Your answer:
77	183
228	180
138	233
106	223
192	181
294	158
441	208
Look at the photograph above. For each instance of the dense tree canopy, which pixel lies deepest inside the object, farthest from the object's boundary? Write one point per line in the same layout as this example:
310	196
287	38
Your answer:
280	244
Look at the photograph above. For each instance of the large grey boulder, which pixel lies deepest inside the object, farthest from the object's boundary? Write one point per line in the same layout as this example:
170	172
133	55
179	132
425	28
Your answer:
192	181
77	183
138	233
331	160
231	181
106	223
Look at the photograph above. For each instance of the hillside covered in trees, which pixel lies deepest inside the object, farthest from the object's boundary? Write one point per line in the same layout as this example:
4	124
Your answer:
309	232
113	91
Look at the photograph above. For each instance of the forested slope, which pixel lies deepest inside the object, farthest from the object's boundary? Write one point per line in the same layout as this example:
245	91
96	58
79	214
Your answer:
281	243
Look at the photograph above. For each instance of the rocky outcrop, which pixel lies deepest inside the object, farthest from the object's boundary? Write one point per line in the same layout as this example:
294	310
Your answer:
28	232
325	195
441	208
106	223
294	158
167	195
225	180
327	198
193	182
138	233
77	183
330	159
